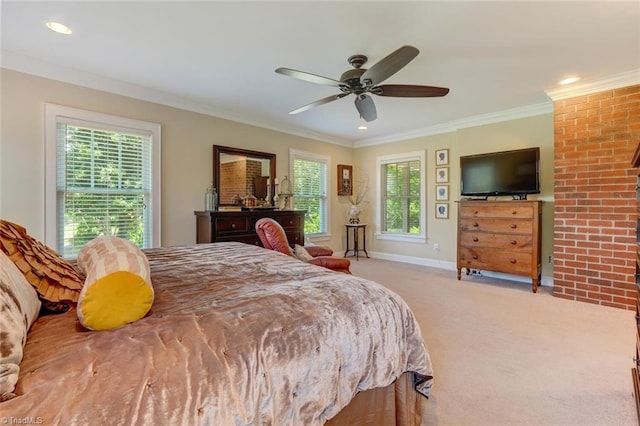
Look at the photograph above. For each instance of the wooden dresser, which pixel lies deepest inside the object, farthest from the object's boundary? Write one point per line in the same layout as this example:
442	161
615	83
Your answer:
214	227
636	360
500	236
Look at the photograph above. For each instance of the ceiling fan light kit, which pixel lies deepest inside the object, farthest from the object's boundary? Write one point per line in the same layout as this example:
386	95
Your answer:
361	81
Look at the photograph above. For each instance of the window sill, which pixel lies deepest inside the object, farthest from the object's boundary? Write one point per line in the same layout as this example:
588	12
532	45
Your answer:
405	238
317	237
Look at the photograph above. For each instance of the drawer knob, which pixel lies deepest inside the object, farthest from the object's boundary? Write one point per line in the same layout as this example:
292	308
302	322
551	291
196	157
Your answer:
514	212
475	256
513	242
514	226
290	222
233	226
475	212
475	239
475	224
512	260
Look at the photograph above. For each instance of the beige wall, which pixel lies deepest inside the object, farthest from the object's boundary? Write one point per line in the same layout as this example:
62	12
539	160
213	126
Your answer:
506	135
187	140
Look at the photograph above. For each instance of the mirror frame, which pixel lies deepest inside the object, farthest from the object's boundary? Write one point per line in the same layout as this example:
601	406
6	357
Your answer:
219	149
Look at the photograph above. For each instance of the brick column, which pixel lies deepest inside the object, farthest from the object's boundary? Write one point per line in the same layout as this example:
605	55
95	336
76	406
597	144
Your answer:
595	212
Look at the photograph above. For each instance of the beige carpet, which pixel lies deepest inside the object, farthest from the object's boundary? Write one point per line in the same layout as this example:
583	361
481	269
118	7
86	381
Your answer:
505	356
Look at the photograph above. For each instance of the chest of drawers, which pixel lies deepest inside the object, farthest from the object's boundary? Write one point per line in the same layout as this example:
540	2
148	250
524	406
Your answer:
214	227
500	236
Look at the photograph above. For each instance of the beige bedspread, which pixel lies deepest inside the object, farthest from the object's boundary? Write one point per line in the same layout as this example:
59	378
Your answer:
238	335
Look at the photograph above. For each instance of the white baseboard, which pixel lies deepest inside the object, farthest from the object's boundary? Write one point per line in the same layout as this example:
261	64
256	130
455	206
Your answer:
451	266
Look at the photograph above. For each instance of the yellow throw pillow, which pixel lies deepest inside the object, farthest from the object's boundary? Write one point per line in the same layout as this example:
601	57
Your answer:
117	290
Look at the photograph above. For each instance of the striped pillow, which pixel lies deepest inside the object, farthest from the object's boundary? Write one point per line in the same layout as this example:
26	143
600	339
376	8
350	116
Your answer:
117	290
19	307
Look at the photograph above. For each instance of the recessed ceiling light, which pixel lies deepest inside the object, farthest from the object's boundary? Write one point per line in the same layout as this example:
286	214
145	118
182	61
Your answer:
362	127
569	80
58	27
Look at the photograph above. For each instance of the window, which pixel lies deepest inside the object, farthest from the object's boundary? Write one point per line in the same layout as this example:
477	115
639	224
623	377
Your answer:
401	184
309	179
102	179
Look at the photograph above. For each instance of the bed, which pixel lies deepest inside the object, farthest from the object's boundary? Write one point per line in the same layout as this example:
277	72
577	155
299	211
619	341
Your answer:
237	335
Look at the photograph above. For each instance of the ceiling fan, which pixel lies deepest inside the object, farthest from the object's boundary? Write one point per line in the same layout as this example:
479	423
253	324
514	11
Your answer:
361	81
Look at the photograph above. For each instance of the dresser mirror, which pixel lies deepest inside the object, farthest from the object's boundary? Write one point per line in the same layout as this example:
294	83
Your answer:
240	172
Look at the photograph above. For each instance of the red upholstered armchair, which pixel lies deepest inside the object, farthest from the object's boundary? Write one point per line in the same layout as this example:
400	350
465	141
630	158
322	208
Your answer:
273	237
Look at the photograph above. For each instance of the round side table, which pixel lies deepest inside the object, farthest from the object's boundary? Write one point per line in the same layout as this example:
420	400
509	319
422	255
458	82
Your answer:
356	249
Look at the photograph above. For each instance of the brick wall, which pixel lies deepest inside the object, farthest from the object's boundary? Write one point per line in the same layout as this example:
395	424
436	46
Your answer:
254	169
595	207
233	180
238	179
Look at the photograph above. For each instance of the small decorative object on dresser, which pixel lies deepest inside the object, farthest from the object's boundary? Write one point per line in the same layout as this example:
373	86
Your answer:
286	192
500	236
211	199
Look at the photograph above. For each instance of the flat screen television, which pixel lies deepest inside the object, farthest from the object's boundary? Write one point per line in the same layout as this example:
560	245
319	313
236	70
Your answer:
515	173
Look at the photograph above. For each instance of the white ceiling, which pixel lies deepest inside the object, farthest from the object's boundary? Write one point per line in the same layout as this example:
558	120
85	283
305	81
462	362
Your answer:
219	57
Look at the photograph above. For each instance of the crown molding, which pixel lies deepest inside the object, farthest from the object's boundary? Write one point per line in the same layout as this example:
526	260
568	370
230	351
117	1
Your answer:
624	79
505	115
397	137
21	63
453	126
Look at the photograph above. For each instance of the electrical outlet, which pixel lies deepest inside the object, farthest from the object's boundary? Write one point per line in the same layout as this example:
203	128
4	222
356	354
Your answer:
436	247
551	260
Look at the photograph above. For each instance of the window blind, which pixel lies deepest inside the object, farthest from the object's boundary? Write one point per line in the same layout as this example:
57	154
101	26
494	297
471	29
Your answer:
401	195
310	193
103	186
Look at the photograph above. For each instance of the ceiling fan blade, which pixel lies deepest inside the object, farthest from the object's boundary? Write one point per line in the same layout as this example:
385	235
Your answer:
306	76
388	66
409	91
319	102
366	107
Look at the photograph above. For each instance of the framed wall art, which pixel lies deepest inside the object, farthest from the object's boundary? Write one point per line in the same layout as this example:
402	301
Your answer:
442	192
442	157
442	175
345	179
442	210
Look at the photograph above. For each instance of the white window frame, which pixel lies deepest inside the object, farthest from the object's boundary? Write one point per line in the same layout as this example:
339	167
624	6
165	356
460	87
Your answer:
55	113
398	158
311	156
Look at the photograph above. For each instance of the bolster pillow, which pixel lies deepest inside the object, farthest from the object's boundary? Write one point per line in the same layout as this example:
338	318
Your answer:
117	290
